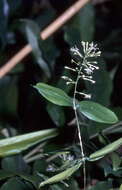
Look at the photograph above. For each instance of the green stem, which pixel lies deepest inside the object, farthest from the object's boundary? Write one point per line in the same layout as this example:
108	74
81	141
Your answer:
78	124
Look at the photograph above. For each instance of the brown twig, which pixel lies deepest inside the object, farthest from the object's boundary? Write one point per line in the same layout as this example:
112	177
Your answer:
53	27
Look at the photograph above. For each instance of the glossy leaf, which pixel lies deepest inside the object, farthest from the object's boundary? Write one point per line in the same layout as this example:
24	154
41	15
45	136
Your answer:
97	112
106	150
53	94
17	144
61	176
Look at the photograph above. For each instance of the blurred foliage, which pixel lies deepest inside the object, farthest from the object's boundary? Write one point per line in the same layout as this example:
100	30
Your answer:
23	110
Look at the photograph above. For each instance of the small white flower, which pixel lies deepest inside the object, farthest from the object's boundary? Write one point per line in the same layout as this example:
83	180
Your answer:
88	96
88	71
76	51
90	50
84	68
51	168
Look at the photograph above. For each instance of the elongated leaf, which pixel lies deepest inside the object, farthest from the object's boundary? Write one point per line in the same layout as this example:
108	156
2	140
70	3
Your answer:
54	95
120	187
9	95
116	160
61	176
5	174
101	91
32	31
81	26
87	26
3	23
106	150
15	145
97	112
32	179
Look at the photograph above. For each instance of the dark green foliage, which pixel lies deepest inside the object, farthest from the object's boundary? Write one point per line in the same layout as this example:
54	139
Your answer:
54	95
36	159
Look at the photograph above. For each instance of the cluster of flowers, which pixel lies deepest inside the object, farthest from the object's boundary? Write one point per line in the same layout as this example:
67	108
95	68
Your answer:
86	66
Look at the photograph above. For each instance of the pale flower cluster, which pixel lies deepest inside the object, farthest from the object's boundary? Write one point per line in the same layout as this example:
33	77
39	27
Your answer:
86	66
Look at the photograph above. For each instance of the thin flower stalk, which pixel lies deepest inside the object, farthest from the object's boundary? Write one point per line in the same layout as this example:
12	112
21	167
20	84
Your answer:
84	70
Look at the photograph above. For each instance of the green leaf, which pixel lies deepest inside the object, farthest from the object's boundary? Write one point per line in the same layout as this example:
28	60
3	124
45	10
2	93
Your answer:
120	187
56	113
61	176
97	112
108	169
15	184
55	187
5	174
87	15
49	51
106	150
32	31
116	161
54	95
15	164
73	30
17	144
81	27
118	112
32	179
71	185
40	166
9	95
102	185
101	91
